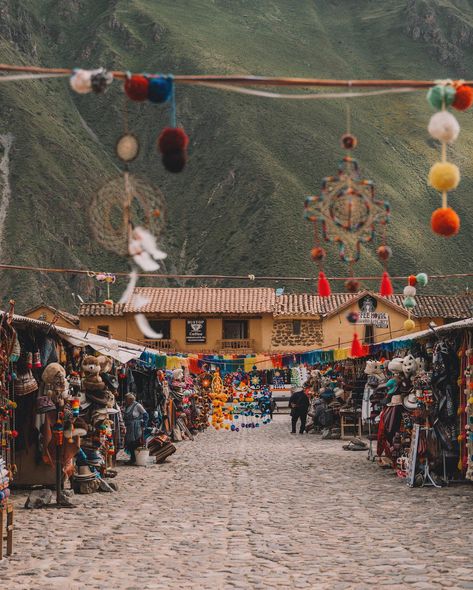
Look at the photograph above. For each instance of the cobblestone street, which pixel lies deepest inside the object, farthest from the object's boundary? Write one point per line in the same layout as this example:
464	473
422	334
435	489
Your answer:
257	509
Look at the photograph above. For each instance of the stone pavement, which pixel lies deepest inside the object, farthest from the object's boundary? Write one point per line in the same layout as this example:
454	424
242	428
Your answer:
255	509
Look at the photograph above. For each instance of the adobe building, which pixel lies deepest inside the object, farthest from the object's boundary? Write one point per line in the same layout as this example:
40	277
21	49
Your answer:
58	317
258	320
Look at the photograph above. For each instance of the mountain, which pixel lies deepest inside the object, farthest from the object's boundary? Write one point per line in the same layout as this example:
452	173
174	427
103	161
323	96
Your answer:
238	206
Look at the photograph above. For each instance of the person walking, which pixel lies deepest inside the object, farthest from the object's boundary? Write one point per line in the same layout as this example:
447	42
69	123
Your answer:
299	404
135	418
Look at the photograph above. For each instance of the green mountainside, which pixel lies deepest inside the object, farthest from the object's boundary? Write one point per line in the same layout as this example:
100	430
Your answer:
238	206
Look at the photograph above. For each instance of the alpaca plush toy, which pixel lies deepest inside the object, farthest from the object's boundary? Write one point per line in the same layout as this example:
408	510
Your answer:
91	368
54	383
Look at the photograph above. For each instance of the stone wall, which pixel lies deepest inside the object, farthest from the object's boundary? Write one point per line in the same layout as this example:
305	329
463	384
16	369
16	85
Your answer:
311	333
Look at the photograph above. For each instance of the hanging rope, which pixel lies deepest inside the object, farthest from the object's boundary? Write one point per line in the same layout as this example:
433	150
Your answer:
248	277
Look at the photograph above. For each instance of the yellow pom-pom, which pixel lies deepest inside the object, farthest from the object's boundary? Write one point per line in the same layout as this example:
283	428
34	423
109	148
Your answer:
444	176
470	400
409	325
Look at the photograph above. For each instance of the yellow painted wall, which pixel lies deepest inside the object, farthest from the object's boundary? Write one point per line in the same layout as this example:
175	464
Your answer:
125	328
38	314
336	329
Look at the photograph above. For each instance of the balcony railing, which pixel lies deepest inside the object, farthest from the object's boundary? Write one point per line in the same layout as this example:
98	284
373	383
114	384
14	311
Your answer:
169	345
240	345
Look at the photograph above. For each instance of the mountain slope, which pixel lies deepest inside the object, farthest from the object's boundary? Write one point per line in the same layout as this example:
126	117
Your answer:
237	208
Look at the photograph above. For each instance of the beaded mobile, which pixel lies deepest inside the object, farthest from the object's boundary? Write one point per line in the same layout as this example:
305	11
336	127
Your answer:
348	210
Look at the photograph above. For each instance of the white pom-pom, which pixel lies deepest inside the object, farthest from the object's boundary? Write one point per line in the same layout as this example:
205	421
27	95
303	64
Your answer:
81	81
409	291
444	127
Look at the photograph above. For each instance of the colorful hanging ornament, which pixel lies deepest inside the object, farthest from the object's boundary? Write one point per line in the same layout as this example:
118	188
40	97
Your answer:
173	141
445	176
348	212
136	87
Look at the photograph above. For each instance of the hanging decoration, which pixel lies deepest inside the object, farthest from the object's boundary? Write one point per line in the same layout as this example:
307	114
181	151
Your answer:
443	127
108	279
409	301
348	212
173	141
85	81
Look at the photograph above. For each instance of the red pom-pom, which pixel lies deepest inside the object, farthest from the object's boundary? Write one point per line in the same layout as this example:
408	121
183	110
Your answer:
323	285
463	98
386	286
412	280
172	139
136	87
445	222
356	347
14	433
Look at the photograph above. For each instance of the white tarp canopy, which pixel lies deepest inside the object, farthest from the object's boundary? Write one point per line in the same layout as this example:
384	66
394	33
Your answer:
117	349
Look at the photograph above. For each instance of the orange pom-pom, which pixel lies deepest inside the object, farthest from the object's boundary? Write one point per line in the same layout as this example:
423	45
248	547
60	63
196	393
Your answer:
318	254
445	222
463	98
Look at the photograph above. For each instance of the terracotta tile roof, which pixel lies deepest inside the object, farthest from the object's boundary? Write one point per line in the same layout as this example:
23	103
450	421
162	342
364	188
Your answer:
307	304
203	300
100	309
244	301
455	307
428	306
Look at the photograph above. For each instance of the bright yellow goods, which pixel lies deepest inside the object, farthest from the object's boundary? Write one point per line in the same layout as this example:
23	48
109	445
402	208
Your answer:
444	176
409	325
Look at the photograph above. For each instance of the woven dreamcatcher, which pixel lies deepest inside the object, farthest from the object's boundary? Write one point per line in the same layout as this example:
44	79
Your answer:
348	211
121	206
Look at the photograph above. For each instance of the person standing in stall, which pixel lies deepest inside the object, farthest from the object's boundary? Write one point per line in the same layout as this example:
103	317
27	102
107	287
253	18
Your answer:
299	404
135	418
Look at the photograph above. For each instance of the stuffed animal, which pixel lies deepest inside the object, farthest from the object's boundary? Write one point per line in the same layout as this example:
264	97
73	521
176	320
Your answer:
396	365
91	368
54	381
409	366
105	363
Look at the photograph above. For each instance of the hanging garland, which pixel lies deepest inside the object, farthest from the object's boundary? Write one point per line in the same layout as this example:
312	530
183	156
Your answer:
443	126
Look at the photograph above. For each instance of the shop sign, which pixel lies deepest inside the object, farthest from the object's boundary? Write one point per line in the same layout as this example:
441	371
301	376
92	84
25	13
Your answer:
196	331
379	320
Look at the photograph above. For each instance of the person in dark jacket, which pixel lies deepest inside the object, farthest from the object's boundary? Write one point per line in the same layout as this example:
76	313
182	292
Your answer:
299	404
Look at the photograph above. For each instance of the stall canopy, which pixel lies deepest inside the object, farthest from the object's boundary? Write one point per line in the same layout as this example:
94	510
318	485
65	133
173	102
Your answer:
118	350
440	330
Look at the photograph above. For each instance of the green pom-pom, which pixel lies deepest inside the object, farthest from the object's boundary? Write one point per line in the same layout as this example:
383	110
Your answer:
422	279
437	95
409	302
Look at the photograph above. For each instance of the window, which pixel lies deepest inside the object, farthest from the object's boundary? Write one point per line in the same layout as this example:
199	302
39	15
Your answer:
235	329
296	327
369	334
103	331
161	327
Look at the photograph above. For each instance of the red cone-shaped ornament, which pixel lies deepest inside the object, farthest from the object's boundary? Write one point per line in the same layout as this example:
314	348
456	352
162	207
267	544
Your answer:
323	285
356	347
386	286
